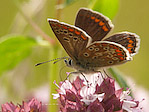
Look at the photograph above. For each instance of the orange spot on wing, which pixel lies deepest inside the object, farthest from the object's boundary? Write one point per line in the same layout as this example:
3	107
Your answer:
115	47
77	32
97	44
118	50
111	45
105	28
84	38
128	38
58	25
129	49
92	17
120	54
130	45
130	41
64	27
71	29
121	58
104	44
101	23
53	25
97	20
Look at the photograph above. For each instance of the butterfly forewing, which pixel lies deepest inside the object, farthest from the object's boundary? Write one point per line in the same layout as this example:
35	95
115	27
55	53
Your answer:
104	53
93	23
73	39
129	40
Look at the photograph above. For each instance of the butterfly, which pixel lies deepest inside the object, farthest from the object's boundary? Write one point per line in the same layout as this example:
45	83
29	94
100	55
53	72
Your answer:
86	45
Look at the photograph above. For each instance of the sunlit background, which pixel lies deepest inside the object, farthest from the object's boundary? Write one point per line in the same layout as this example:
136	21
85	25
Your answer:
23	80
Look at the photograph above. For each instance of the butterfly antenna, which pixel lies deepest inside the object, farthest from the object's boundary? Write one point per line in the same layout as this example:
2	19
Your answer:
105	73
59	59
56	60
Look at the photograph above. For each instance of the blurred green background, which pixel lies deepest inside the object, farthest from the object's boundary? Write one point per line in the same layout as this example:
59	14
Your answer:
19	80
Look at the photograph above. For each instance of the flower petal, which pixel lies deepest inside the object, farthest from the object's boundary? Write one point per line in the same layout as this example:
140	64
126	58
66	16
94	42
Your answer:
95	106
55	96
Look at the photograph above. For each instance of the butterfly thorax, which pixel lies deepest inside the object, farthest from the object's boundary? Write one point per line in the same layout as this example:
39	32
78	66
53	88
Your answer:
80	66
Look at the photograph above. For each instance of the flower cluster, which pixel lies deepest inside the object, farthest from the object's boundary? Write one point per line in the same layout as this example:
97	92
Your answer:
31	106
97	95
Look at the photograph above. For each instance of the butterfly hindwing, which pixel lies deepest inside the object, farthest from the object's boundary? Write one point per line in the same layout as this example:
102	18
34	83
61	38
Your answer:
93	23
104	53
129	40
73	39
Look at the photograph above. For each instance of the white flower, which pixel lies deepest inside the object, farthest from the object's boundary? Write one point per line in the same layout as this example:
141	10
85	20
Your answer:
128	103
94	79
55	96
64	86
88	95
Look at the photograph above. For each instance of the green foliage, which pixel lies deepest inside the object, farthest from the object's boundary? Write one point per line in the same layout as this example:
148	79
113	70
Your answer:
108	8
14	49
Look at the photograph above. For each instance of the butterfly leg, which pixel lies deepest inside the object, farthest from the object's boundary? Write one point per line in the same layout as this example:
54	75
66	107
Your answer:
105	73
102	75
77	74
84	78
68	74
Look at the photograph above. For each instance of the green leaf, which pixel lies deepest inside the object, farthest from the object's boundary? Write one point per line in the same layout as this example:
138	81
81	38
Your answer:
14	49
108	8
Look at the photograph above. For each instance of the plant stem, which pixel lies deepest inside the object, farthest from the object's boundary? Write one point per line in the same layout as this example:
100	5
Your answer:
34	25
59	9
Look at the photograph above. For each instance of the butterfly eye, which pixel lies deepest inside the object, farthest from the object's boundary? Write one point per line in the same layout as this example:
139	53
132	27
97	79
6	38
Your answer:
65	60
70	62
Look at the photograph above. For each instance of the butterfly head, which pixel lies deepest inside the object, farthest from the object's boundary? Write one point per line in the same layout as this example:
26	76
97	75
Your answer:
76	65
68	62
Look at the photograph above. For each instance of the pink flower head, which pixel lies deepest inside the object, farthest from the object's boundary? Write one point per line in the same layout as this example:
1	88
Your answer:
10	107
31	106
98	95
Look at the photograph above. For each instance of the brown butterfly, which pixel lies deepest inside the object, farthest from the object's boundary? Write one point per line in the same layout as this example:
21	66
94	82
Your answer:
85	43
